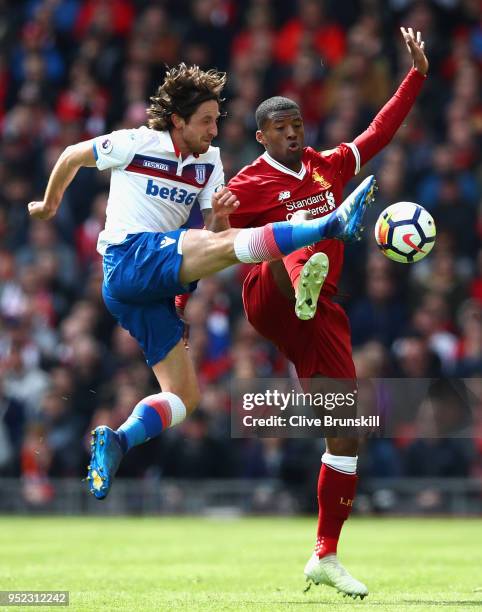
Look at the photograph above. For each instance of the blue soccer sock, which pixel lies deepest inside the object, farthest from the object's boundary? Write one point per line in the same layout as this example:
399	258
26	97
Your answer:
273	241
291	237
151	415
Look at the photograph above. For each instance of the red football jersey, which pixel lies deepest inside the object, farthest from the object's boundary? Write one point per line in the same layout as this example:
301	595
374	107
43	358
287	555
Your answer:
269	192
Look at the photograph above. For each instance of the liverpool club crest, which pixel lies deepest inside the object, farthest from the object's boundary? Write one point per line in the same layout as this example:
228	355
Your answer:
318	178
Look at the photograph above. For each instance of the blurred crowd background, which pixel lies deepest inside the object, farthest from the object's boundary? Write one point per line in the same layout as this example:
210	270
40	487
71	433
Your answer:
71	70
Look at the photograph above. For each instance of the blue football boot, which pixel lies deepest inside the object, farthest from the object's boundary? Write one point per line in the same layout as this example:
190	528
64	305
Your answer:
351	210
106	455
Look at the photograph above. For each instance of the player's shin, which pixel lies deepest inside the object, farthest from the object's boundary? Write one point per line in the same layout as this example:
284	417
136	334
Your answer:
336	492
150	417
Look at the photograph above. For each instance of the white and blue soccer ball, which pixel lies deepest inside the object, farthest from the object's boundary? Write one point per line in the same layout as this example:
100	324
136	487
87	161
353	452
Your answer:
405	232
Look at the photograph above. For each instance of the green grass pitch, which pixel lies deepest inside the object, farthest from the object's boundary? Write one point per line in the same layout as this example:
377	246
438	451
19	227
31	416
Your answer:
163	563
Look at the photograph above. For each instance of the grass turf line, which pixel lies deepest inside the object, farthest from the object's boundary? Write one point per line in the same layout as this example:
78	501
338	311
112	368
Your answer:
164	563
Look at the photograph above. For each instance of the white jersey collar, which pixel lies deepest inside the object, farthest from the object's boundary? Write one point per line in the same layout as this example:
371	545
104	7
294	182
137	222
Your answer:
168	145
275	164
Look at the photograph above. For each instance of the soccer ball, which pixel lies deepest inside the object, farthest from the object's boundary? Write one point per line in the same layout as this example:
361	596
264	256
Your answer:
405	232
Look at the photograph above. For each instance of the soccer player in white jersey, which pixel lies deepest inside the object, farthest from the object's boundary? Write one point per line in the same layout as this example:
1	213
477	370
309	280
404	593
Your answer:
158	172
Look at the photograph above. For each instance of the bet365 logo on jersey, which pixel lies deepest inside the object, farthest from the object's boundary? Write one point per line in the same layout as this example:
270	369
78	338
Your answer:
180	196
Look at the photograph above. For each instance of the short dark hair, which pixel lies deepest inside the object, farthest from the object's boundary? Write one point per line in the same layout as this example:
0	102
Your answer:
272	105
184	88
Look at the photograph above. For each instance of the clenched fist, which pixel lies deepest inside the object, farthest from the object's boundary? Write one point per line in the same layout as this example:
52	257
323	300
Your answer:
40	210
224	202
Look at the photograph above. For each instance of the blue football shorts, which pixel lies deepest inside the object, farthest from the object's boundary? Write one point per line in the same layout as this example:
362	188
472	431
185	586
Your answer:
141	280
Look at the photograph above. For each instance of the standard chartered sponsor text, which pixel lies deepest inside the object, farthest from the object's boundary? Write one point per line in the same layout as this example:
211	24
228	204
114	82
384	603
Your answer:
306	202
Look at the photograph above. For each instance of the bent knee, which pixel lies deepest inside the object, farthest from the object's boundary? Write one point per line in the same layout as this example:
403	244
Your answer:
190	397
192	401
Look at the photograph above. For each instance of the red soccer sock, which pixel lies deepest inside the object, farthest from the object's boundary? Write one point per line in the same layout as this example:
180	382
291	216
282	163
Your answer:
336	491
294	263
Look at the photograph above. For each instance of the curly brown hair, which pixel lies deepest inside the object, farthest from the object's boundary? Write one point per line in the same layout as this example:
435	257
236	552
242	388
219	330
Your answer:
184	88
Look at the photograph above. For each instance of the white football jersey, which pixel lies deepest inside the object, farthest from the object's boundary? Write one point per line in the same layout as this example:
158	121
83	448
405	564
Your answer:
151	188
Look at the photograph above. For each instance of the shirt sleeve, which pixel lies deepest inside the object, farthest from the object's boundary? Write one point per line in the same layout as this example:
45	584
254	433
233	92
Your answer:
344	160
117	149
215	180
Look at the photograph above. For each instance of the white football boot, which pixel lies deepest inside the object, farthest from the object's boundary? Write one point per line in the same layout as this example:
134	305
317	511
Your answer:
328	570
311	281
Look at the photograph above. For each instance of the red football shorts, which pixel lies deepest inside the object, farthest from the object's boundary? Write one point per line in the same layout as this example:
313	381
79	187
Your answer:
321	346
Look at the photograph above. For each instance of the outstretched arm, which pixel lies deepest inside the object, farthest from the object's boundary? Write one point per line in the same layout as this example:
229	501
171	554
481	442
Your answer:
390	118
63	173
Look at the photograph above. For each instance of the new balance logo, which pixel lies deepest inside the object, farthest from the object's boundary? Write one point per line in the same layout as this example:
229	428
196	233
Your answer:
166	241
284	195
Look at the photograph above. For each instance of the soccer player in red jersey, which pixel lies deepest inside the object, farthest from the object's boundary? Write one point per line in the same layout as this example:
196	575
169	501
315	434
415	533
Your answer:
315	335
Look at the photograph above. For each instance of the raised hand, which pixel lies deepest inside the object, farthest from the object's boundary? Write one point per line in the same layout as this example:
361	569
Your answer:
224	203
416	47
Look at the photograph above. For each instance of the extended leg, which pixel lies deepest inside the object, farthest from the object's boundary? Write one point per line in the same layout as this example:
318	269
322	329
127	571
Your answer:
178	397
205	253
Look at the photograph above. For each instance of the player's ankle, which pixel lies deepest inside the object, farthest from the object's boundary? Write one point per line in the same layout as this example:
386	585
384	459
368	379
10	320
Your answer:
122	439
326	546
